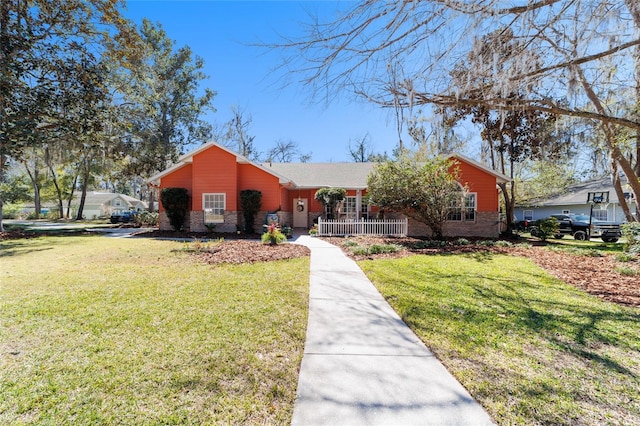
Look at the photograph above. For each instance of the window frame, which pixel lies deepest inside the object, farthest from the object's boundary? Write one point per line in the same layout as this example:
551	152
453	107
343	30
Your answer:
463	211
598	212
214	214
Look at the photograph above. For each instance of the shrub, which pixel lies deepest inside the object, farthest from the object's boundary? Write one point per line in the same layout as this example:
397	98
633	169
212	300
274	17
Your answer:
627	270
251	203
461	242
359	251
147	218
631	231
625	257
546	228
176	203
383	248
503	243
350	243
12	211
273	236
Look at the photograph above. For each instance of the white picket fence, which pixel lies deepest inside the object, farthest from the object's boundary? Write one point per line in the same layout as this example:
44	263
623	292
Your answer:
387	227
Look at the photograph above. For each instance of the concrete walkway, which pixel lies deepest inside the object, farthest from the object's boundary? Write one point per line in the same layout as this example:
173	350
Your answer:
362	365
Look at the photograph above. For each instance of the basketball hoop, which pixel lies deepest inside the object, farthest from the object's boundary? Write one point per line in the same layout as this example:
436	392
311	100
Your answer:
598	198
603	206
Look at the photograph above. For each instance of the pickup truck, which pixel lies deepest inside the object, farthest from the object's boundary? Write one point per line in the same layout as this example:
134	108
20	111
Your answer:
578	226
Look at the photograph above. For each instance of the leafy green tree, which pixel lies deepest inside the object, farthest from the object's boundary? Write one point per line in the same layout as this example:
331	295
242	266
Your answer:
16	189
163	105
331	198
424	191
39	40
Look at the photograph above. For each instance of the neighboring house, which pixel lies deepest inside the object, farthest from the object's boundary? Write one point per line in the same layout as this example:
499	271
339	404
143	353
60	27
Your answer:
214	177
574	200
102	204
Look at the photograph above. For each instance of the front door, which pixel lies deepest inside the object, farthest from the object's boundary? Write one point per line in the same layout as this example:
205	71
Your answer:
300	213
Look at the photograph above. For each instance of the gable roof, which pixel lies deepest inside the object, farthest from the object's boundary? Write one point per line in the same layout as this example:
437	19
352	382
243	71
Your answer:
101	198
348	175
577	194
318	175
312	175
188	159
500	178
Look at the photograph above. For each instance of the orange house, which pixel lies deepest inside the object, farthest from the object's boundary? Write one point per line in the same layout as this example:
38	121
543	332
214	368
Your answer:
214	176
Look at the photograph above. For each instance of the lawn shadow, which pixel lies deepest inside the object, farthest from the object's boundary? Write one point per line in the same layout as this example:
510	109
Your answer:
33	243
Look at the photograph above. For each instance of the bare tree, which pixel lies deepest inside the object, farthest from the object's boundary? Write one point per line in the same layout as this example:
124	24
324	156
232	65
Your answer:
572	54
237	136
286	151
360	149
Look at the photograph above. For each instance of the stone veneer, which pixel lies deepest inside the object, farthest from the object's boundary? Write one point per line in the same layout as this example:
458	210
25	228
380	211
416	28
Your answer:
165	225
284	218
486	225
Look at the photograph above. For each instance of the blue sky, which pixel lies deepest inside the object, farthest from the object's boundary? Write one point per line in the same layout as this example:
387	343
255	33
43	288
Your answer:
221	32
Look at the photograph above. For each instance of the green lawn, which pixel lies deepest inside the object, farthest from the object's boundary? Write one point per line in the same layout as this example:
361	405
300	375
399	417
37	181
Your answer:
530	348
134	331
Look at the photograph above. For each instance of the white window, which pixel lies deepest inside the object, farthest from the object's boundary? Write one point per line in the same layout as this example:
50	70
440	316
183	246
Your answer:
470	207
349	206
527	215
600	214
463	209
117	202
214	206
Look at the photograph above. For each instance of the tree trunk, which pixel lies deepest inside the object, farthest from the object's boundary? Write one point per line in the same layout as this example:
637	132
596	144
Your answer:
86	174
73	187
54	179
617	185
614	148
36	188
2	160
152	193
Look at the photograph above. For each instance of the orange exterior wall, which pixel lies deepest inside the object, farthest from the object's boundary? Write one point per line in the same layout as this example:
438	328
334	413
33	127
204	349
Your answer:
180	178
480	182
215	170
251	177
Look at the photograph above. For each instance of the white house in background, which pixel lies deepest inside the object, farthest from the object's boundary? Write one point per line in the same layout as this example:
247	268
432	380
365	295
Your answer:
102	204
574	200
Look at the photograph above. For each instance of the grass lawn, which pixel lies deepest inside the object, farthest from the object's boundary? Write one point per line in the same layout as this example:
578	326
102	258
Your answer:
530	348
134	331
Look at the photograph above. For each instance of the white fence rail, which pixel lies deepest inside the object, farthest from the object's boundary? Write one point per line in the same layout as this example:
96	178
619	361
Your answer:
388	227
